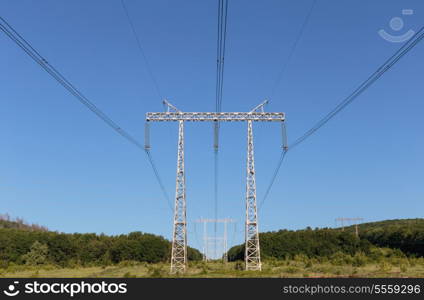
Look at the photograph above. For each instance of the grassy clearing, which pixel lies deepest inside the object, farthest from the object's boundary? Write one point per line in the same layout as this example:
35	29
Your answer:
271	268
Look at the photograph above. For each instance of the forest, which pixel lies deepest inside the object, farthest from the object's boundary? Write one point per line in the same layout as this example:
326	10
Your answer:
405	237
34	245
22	243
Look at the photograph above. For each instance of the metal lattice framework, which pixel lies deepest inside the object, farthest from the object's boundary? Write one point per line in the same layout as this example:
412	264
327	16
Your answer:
355	220
252	255
179	240
214	116
207	239
179	237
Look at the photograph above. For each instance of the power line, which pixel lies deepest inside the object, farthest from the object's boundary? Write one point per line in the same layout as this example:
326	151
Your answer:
220	52
158	178
141	50
274	176
52	71
195	235
292	49
364	86
220	56
158	91
390	62
234	234
274	88
24	45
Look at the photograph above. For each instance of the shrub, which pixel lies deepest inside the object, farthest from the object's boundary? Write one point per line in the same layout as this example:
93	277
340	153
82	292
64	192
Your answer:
359	260
129	275
3	264
128	263
300	258
291	270
37	254
155	272
384	267
35	275
337	271
403	268
340	259
239	266
412	262
308	264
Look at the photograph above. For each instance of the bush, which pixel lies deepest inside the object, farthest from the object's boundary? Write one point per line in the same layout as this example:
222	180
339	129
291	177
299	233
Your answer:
35	275
291	270
3	264
205	269
155	271
337	271
239	266
359	260
412	262
403	268
340	259
308	264
129	275
300	258
384	267
37	254
128	263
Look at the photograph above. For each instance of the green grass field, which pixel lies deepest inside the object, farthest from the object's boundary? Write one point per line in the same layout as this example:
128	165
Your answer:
289	268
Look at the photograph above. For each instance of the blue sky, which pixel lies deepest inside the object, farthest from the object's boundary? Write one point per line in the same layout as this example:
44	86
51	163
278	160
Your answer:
63	168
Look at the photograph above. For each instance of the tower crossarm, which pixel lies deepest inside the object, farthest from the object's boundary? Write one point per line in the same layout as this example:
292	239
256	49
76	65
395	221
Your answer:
214	220
215	116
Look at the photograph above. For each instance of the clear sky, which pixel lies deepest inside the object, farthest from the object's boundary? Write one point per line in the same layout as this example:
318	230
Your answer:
62	167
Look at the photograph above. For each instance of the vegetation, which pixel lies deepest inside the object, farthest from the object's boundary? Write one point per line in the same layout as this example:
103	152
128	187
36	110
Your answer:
405	237
317	243
389	265
393	248
37	254
19	223
39	247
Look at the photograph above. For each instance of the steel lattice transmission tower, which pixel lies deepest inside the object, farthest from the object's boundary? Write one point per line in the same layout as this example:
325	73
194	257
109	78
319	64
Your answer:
223	239
252	250
355	220
179	239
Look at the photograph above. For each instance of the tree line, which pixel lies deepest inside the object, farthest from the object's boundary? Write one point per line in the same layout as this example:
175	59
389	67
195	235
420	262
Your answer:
19	246
405	236
286	244
7	222
22	243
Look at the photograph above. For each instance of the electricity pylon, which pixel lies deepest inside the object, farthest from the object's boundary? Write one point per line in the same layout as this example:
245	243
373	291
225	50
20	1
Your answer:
179	239
252	250
342	220
215	240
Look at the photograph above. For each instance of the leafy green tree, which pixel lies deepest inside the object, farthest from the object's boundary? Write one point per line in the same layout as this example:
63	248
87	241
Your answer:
37	254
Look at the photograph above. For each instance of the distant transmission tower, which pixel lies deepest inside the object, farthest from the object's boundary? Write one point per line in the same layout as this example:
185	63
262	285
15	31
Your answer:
212	243
215	240
179	239
342	220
